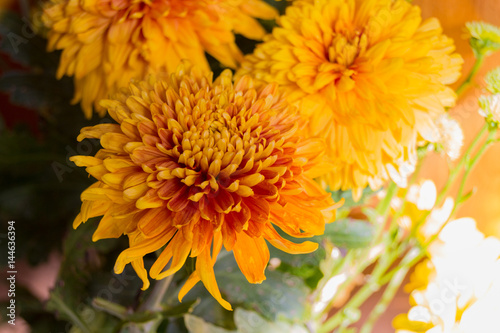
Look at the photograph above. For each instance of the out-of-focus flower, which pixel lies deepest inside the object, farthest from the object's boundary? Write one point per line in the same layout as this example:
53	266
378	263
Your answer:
5	4
490	108
194	164
451	137
106	43
370	75
484	38
461	295
493	81
420	211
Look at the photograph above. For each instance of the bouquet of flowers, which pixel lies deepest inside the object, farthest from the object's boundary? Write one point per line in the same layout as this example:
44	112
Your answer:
244	166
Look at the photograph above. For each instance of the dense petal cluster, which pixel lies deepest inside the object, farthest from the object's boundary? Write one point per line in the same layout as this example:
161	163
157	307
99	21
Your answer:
106	43
371	75
457	290
194	164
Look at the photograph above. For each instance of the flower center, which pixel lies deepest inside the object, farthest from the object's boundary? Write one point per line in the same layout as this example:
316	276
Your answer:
215	138
344	52
342	55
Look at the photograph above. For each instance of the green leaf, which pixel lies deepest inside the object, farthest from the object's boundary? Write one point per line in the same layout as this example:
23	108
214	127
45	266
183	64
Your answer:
251	322
95	321
350	233
246	322
349	202
304	266
281	294
170	312
198	325
82	258
181	309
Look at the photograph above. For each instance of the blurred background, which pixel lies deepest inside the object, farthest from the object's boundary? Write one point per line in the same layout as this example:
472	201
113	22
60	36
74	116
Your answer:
29	187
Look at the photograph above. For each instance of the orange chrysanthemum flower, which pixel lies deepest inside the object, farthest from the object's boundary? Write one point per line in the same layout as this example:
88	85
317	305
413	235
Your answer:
193	165
370	75
106	43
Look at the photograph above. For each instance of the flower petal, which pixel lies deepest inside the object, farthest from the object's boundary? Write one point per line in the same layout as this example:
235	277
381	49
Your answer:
252	256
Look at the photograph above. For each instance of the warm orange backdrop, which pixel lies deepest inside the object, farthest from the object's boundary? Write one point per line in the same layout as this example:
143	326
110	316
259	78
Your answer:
484	206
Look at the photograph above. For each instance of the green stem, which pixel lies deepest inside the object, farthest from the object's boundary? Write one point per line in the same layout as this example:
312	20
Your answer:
455	172
383	209
341	318
473	72
153	302
346	261
470	166
386	299
114	309
74	317
384	205
452	176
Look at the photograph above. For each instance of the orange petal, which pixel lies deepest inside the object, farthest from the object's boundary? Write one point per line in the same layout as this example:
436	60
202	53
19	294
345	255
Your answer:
259	208
190	283
229	235
110	227
177	250
138	266
154	221
252	256
285	245
202	236
140	249
205	269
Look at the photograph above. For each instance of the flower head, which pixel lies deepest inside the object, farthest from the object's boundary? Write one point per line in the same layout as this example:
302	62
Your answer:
484	38
493	81
490	108
370	75
451	137
106	43
194	164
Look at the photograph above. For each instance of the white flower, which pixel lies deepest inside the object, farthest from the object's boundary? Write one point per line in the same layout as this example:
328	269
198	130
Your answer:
451	137
490	107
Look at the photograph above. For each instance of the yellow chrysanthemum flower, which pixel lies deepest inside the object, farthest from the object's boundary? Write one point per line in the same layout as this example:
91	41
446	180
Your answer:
193	164
106	43
370	75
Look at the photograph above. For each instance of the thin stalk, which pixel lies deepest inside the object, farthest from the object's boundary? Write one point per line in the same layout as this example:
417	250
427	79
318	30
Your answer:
469	167
341	317
384	205
112	308
153	302
453	175
455	171
383	209
473	72
346	261
386	299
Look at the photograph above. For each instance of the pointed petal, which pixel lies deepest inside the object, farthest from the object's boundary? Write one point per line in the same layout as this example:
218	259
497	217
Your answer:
252	256
205	269
285	245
